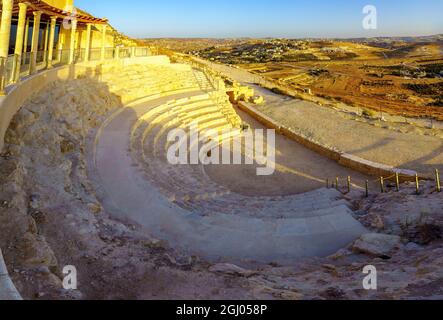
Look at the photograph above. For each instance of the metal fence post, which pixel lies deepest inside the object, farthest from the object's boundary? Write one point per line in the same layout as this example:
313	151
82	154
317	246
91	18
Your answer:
367	188
417	184
349	184
437	179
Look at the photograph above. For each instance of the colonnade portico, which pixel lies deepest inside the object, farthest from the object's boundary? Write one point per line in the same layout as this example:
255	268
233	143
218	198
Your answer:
51	40
46	36
34	42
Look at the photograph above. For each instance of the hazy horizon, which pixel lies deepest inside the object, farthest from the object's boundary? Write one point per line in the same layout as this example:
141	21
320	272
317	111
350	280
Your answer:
268	19
301	38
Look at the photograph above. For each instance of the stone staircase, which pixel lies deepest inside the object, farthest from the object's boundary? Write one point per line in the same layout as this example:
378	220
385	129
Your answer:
218	95
203	81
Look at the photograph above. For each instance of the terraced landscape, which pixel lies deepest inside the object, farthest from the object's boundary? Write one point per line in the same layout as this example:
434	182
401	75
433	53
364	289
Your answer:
401	77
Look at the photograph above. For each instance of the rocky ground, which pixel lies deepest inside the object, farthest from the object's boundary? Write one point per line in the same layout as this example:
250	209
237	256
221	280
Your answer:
50	217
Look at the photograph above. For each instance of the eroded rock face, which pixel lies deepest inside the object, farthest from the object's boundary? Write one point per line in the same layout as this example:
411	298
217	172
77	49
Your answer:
43	175
377	244
231	269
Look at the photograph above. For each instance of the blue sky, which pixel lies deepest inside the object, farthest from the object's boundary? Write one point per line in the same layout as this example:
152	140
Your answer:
267	18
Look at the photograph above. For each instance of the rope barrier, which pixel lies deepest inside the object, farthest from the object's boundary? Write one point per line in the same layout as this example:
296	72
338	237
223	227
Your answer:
382	181
391	177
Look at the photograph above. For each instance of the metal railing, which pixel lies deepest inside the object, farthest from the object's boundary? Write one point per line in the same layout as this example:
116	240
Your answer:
109	53
14	67
215	90
124	53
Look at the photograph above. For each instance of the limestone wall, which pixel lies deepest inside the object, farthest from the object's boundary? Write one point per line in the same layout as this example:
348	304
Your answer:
344	159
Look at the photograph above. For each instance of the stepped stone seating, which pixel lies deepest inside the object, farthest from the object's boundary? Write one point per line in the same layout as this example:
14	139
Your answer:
219	95
137	81
181	204
188	185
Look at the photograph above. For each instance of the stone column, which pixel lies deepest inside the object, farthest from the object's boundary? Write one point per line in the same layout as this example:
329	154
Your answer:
60	41
45	44
20	38
34	43
5	30
88	41
72	45
103	54
26	38
51	42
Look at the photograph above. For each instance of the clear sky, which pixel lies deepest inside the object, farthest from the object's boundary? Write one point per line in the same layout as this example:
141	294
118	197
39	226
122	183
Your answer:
267	18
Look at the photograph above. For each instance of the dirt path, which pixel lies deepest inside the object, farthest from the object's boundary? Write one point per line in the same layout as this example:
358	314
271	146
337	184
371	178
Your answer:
412	149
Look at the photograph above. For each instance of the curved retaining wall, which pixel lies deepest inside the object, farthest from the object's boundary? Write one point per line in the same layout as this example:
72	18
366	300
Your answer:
344	159
17	96
7	288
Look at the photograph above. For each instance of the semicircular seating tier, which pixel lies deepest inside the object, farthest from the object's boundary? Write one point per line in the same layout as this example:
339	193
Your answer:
180	203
